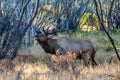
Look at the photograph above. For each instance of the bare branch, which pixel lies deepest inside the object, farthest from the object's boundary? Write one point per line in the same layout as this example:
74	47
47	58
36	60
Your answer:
11	13
22	12
34	15
15	49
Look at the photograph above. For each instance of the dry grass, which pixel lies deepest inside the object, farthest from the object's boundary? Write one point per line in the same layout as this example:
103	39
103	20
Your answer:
64	62
25	69
63	67
37	72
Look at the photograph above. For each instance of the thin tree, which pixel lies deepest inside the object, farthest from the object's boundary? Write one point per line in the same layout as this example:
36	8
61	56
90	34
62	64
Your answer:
103	26
18	26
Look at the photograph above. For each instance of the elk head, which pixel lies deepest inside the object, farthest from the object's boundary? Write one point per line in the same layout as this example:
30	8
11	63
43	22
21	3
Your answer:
46	42
41	35
41	38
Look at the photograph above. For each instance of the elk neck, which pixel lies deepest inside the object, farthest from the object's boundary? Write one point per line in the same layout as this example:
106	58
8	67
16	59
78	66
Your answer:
49	45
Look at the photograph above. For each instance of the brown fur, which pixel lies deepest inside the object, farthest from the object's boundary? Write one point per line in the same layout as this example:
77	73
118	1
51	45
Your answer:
84	49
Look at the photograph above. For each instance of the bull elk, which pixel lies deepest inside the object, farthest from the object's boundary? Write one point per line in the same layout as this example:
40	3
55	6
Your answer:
84	49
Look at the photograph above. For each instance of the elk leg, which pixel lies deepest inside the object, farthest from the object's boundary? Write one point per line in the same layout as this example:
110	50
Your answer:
92	57
86	63
86	59
93	62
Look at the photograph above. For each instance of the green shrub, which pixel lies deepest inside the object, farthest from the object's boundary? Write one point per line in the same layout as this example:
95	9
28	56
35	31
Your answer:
90	20
108	47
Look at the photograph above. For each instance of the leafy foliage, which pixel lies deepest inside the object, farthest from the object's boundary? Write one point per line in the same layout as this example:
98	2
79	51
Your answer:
84	19
90	20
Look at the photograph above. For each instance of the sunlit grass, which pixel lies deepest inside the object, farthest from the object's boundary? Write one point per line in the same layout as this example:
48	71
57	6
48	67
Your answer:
33	71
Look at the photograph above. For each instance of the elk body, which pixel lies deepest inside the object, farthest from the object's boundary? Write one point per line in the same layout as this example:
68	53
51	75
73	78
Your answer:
84	49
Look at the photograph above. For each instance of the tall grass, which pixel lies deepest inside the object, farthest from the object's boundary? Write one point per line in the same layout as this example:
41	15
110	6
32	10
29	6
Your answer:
35	71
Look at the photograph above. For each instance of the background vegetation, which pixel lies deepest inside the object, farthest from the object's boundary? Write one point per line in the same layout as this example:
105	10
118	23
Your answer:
82	19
